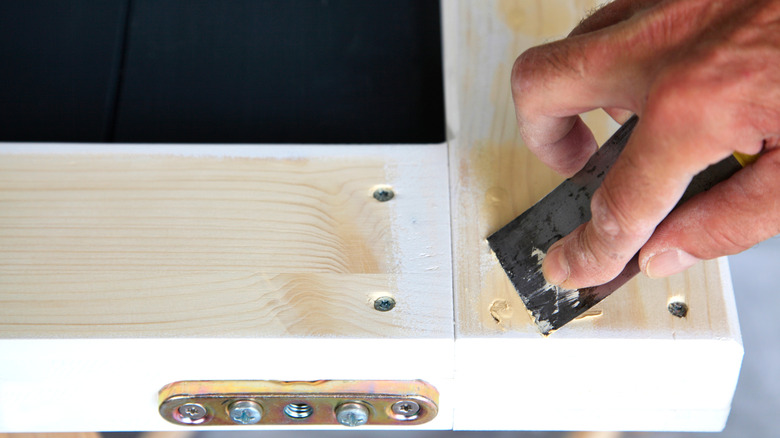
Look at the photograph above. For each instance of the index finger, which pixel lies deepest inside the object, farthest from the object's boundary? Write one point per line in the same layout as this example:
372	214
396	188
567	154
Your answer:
552	84
641	189
606	68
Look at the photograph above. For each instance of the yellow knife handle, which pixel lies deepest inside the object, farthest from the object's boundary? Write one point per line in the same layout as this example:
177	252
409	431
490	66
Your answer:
745	159
716	173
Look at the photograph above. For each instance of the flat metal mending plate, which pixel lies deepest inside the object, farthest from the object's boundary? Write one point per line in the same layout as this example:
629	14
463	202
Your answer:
324	402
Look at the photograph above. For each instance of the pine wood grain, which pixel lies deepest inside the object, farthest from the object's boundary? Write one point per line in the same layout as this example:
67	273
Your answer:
98	245
124	268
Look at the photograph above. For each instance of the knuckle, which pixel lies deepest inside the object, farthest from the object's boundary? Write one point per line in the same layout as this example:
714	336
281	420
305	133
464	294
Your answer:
725	241
535	65
525	70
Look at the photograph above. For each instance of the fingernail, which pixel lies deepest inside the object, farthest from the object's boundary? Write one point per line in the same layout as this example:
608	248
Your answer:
668	263
555	267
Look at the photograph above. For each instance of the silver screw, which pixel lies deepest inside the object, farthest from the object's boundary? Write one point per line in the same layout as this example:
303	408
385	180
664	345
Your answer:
352	414
405	409
384	304
383	194
245	412
191	412
678	309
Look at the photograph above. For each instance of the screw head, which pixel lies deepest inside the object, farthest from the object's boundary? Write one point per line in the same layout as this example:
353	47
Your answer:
245	412
405	409
384	304
678	309
192	413
352	414
383	194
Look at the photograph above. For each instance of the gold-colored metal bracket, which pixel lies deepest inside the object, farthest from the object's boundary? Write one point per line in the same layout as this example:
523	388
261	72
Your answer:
323	402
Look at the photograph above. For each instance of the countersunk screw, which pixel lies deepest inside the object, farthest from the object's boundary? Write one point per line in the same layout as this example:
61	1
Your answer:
192	412
678	309
383	194
384	304
245	412
405	409
352	414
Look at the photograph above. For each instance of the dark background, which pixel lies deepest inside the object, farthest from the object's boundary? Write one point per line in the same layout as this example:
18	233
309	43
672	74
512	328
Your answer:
256	71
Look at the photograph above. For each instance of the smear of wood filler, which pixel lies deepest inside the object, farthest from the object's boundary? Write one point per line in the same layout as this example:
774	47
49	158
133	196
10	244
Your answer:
539	254
500	310
589	314
544	326
543	19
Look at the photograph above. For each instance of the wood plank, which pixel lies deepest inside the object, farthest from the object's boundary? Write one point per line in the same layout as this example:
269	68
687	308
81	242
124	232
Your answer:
119	245
629	340
172	313
125	268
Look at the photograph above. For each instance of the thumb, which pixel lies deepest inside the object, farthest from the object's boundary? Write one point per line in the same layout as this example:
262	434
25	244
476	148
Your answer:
639	191
731	217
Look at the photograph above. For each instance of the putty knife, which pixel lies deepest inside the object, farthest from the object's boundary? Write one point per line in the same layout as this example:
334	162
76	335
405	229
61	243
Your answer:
521	245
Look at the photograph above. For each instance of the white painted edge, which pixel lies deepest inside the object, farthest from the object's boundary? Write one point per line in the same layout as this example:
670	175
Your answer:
595	384
618	381
112	385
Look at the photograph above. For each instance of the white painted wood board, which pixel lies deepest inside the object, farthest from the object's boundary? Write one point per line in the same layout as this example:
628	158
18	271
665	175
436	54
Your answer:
629	364
124	268
112	384
172	305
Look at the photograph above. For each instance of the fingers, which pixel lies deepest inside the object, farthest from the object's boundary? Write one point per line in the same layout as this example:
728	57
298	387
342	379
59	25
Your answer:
598	67
698	94
639	191
552	84
731	217
607	15
547	112
574	145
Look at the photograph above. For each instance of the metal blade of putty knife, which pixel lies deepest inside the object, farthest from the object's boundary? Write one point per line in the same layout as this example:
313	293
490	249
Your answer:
521	245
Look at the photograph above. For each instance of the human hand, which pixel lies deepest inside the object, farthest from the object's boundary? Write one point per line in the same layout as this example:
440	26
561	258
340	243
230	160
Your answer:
704	78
